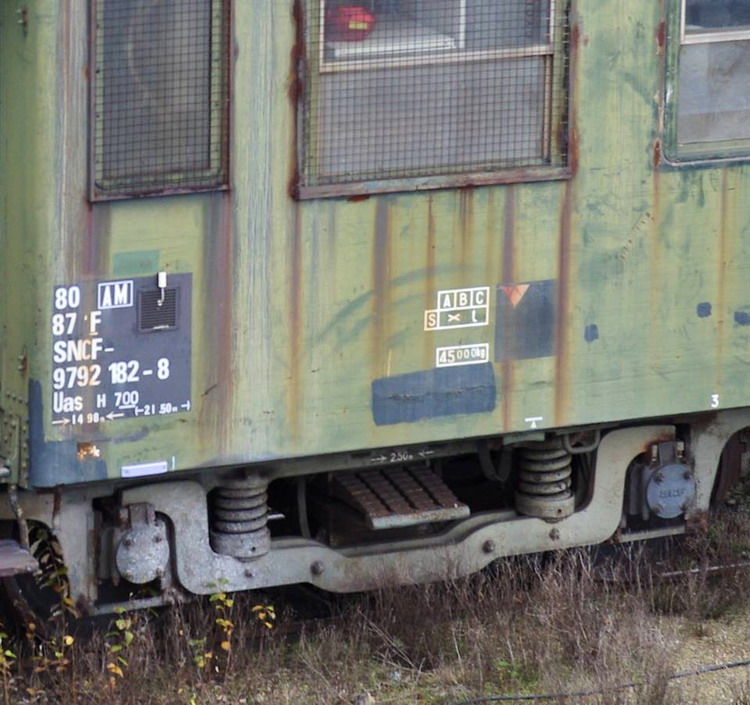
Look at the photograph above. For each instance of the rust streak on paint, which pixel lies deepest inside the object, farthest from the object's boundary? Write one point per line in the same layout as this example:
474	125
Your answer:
656	261
724	235
508	277
509	232
295	88
657	154
295	323
98	235
380	290
562	357
429	290
223	354
571	138
573	149
219	257
466	221
429	284
661	37
562	362
492	253
575	36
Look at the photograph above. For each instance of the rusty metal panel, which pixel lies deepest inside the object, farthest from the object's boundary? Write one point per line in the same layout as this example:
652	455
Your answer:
399	497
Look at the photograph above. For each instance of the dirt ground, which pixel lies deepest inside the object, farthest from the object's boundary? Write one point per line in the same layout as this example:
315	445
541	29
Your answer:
713	642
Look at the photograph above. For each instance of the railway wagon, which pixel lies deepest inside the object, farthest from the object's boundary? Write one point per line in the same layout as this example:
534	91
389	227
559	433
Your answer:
364	292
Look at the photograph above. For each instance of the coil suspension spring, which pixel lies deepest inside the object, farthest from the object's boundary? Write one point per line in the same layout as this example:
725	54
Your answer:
544	480
239	517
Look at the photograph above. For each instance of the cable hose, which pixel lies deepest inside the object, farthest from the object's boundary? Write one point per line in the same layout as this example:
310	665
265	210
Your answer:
599	691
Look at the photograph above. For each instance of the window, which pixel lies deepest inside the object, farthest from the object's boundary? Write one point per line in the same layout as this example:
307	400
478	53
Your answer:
713	103
402	94
159	98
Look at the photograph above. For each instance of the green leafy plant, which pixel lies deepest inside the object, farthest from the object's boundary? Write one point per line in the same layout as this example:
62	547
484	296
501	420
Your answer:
118	643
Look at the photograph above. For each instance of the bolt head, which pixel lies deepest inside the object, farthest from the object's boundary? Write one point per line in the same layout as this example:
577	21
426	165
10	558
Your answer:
317	568
488	546
658	478
554	534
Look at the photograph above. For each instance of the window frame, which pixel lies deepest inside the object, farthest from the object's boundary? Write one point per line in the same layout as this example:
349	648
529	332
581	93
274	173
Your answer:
734	150
556	128
103	189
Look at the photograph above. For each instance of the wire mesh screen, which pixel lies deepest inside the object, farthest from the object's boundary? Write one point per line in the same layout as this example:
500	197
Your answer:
418	88
160	95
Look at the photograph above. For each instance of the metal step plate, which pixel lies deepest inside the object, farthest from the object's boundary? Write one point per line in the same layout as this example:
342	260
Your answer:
395	498
15	560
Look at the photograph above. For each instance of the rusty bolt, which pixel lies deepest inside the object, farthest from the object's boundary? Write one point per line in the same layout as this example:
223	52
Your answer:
317	568
488	546
554	534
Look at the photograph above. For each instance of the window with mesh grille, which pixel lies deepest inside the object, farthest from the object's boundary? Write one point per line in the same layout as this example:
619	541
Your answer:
399	89
159	96
713	103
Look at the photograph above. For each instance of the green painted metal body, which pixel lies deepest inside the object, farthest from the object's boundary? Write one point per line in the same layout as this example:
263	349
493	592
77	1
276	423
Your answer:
298	306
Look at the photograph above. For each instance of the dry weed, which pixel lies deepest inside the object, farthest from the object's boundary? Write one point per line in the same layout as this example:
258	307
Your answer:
556	623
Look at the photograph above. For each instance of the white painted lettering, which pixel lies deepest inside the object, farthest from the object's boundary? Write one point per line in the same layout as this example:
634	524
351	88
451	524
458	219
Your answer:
77	350
97	345
122	294
62	404
115	294
94	321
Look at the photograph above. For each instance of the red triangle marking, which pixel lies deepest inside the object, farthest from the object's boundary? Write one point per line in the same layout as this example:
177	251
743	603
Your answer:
515	293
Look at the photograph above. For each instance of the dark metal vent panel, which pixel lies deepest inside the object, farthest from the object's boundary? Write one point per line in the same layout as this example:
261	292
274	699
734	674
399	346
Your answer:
160	96
153	315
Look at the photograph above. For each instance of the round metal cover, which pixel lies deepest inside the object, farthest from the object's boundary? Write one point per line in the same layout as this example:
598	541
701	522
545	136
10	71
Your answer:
142	553
670	491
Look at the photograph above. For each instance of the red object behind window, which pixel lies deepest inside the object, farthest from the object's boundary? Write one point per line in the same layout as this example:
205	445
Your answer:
349	23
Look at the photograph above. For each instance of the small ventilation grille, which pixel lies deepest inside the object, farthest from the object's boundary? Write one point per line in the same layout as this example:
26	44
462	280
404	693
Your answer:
157	313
